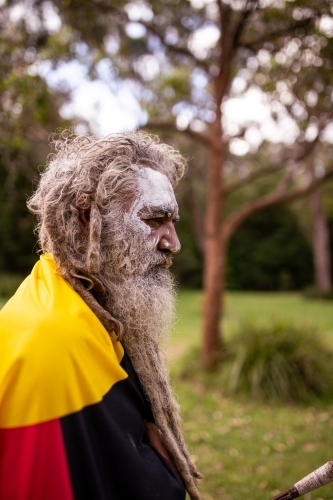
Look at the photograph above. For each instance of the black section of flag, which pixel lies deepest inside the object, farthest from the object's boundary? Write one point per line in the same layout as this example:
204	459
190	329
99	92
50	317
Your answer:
108	455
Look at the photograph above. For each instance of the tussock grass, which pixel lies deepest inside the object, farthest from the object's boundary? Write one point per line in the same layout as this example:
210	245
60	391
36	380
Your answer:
281	361
272	362
312	293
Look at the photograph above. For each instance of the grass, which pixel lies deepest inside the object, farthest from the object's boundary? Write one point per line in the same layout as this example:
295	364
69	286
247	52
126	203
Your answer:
250	307
244	447
248	449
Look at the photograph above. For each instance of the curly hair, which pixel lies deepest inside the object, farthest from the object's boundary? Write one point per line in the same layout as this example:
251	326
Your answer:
97	175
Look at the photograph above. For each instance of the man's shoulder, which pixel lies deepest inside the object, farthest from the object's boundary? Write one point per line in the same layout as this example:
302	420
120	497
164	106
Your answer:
46	311
53	351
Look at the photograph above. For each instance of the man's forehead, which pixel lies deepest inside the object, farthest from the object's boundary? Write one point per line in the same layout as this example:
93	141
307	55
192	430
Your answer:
155	189
151	179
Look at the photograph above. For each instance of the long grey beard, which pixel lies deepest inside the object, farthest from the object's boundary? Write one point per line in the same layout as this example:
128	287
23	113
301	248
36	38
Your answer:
146	307
140	289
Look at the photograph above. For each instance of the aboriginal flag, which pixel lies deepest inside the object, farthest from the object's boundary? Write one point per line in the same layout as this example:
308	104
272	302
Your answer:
71	405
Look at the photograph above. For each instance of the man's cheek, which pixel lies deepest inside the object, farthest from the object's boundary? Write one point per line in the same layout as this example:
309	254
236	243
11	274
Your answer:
153	241
133	222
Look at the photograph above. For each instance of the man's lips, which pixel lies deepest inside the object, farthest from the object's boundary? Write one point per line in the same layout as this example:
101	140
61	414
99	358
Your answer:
167	261
162	260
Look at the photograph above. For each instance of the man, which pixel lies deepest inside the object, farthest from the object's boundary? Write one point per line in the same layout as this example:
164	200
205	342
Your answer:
86	410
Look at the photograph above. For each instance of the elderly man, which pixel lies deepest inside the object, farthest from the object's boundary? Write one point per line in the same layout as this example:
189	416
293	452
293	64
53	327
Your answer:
86	409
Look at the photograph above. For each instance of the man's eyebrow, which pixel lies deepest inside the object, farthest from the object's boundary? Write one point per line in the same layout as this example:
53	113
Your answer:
160	211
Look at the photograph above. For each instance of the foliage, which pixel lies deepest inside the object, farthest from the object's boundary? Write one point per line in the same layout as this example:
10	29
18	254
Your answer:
188	265
280	362
28	114
171	51
269	252
186	62
9	284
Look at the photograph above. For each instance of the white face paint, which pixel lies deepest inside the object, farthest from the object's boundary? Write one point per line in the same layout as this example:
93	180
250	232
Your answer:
154	190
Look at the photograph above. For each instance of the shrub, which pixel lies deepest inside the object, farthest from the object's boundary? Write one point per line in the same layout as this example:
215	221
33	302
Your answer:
311	292
269	252
281	362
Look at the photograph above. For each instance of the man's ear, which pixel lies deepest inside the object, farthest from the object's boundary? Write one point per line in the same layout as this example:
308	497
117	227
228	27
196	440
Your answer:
84	220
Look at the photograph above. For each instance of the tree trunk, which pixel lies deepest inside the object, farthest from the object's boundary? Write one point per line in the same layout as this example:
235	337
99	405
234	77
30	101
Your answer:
320	244
214	253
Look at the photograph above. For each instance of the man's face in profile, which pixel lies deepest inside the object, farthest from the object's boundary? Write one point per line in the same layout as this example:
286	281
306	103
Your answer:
148	225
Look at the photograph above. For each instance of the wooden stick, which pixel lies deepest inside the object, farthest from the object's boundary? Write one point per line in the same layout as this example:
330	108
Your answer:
314	480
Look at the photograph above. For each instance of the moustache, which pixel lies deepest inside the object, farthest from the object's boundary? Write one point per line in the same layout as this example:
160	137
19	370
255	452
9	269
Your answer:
163	259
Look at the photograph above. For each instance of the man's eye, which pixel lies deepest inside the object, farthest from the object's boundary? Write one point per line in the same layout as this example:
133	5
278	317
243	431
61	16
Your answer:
154	222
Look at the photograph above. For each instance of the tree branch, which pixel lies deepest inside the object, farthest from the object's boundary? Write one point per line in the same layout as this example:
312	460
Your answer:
242	21
257	43
228	43
273	167
308	148
175	48
204	139
255	174
153	30
277	197
221	81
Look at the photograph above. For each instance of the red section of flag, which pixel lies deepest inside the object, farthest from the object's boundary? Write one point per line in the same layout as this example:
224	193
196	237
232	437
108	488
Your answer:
33	463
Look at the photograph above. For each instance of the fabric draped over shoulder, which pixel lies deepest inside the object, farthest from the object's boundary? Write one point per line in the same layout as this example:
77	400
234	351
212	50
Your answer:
54	347
71	405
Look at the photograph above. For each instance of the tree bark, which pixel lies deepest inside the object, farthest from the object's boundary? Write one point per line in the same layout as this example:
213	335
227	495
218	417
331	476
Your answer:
214	253
214	271
320	244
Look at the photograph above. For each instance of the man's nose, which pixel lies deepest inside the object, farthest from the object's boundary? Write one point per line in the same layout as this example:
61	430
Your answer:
169	240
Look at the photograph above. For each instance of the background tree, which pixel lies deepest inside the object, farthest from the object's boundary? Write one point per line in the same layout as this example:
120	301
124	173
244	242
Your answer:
270	252
187	62
283	45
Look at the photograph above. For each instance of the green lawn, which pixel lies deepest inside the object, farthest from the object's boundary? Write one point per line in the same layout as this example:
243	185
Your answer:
247	449
249	306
